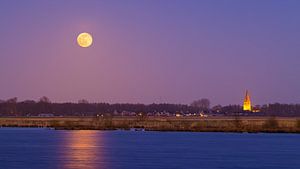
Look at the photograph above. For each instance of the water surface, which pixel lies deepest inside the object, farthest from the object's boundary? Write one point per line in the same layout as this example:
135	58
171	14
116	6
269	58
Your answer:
30	148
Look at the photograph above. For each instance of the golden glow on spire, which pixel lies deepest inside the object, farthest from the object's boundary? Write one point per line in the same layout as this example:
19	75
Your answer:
247	102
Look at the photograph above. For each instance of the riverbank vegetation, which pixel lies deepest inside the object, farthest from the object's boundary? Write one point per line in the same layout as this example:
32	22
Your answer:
229	124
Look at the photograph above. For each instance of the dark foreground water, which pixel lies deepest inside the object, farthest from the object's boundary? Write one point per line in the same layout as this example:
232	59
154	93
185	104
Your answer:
50	149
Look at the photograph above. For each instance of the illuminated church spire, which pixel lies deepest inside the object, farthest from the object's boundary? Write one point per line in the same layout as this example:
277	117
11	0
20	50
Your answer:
247	102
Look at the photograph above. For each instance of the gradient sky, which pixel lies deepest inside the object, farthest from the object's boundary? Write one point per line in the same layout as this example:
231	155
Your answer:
151	51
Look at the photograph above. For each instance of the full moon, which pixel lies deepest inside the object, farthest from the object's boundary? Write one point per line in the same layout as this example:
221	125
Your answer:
84	39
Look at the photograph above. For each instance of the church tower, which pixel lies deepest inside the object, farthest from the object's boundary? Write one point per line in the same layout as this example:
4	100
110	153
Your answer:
247	102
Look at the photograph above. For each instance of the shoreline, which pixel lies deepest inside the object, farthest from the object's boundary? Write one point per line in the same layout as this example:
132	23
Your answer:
182	124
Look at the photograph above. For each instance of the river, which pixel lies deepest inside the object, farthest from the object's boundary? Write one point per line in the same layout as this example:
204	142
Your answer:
40	148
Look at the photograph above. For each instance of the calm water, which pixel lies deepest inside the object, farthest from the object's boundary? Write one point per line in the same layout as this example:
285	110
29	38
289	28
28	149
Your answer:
50	149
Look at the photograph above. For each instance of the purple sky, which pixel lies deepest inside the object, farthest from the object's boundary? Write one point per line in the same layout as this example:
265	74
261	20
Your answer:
151	51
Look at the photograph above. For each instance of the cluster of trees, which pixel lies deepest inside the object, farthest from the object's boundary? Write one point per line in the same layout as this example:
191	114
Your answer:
278	109
229	109
12	107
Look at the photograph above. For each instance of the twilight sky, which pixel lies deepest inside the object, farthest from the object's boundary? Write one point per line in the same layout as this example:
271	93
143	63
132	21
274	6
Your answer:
151	51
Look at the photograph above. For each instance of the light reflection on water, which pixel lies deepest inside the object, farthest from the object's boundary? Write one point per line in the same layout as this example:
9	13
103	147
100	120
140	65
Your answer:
82	150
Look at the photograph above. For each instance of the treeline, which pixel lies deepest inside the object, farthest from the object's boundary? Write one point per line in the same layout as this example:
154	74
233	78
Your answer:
12	107
32	108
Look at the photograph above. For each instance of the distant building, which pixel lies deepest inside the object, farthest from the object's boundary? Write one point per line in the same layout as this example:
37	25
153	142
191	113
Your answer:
203	115
256	109
178	114
247	102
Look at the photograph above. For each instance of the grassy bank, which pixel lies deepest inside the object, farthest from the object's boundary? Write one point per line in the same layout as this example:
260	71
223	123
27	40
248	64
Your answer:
213	124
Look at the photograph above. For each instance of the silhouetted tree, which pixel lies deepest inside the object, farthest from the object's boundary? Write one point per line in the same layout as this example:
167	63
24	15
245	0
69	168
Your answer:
202	104
44	99
44	105
12	106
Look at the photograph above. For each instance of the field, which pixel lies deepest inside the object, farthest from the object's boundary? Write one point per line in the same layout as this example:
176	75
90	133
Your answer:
195	124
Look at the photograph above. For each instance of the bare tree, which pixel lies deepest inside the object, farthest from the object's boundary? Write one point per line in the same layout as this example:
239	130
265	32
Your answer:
44	105
12	105
44	99
201	103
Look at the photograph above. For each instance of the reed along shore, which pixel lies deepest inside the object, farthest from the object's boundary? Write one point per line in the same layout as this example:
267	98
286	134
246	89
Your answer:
194	124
